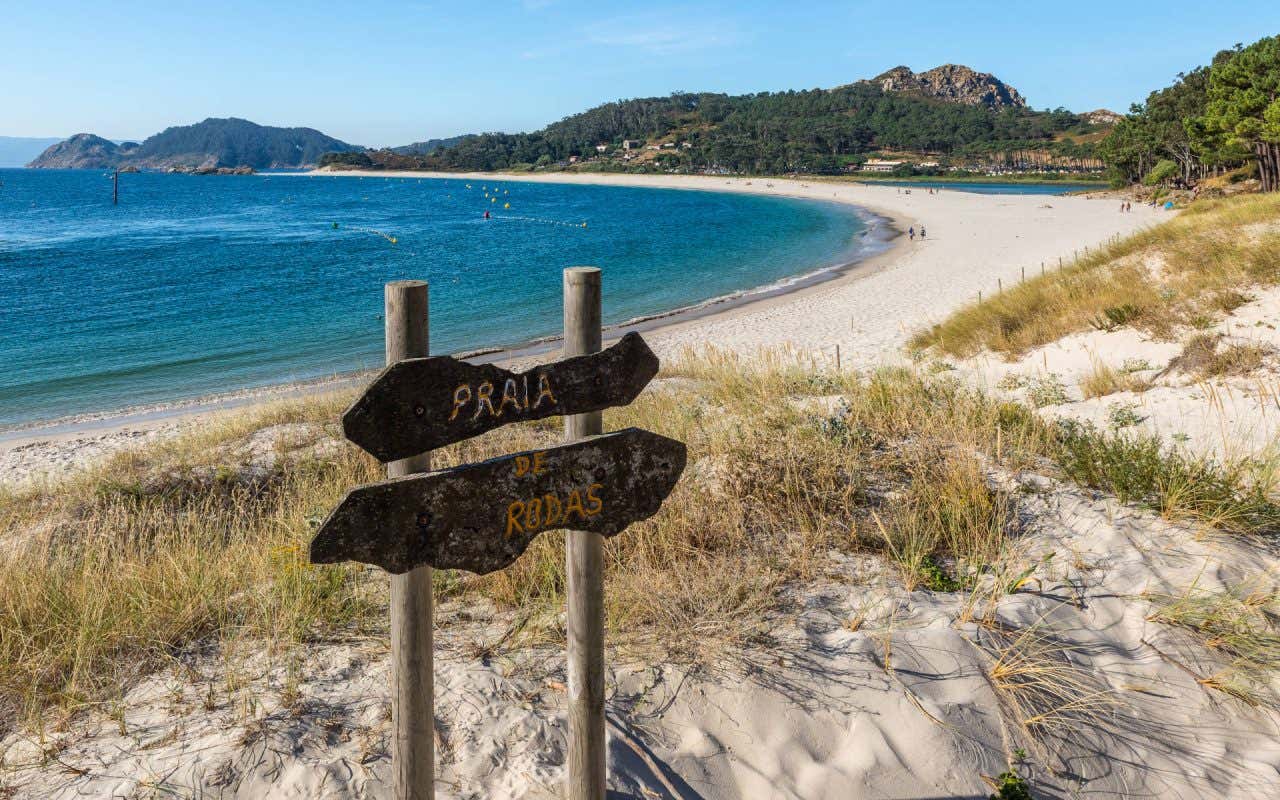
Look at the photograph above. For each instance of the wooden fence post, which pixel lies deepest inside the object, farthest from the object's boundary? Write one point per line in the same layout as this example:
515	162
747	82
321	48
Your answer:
584	566
412	706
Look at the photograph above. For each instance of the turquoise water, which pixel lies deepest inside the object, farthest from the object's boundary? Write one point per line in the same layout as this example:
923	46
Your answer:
997	188
198	285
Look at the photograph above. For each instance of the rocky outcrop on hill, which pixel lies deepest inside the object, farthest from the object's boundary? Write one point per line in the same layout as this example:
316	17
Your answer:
208	146
953	83
84	151
1102	116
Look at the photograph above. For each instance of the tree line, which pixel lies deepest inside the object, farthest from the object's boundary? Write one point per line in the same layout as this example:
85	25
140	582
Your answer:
810	131
1211	120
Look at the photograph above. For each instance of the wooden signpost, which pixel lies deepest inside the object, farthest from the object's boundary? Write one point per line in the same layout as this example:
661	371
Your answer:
481	517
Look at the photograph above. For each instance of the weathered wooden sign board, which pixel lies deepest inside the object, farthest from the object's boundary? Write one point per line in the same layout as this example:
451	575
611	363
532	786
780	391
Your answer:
423	403
481	517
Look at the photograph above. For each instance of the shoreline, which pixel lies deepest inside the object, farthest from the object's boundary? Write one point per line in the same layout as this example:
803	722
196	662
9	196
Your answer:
151	415
868	306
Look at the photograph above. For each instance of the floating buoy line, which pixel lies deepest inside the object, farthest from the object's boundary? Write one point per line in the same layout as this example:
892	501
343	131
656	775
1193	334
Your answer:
374	231
541	220
492	198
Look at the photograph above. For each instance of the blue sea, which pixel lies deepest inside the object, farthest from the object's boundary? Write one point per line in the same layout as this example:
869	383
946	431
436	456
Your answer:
199	285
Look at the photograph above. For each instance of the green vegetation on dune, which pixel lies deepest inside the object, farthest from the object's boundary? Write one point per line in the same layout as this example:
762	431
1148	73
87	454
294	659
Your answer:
1189	268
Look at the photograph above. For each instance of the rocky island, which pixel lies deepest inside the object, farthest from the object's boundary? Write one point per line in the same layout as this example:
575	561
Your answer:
214	146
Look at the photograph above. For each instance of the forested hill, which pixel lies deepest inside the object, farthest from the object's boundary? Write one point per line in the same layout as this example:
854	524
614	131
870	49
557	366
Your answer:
818	130
212	143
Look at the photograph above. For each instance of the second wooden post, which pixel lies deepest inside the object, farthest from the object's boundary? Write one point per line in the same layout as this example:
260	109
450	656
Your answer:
412	706
584	566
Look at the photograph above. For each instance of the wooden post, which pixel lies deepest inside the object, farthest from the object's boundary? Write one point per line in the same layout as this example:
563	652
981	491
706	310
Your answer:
412	706
999	286
115	188
837	356
584	565
1024	273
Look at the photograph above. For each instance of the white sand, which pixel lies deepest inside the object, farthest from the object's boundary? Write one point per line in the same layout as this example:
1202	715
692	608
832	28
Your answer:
1229	418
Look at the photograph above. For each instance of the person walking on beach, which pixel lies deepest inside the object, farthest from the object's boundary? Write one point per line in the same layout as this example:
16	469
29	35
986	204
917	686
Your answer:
922	233
911	233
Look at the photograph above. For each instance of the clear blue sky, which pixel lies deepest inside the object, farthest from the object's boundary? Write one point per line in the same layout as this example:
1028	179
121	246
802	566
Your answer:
381	73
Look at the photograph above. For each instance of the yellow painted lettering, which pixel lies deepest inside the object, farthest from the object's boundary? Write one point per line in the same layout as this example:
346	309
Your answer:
522	466
574	504
538	466
461	396
552	510
514	512
532	514
544	390
509	396
483	392
596	503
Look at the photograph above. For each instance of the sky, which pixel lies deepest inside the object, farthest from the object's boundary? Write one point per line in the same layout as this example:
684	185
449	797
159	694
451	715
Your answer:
381	73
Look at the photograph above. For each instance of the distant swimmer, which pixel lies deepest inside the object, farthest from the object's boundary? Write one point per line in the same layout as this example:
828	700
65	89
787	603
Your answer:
486	215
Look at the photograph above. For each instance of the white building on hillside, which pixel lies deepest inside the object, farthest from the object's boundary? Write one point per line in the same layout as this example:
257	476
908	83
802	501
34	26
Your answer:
880	165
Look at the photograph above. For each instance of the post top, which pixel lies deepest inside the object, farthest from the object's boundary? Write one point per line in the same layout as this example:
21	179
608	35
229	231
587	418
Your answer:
577	274
404	284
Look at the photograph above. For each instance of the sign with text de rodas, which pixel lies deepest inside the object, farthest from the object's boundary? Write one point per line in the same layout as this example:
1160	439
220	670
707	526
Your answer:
481	517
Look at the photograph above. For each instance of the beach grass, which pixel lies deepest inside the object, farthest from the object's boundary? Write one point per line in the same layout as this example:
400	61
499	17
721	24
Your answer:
1239	626
201	541
1184	272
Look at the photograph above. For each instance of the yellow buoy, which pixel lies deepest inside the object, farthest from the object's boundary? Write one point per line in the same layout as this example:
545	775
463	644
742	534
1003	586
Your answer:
506	205
493	199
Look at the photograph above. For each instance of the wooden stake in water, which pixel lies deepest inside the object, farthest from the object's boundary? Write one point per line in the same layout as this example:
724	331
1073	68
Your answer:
412	705
115	188
584	565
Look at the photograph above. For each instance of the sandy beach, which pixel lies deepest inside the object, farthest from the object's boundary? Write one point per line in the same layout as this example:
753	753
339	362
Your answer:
974	243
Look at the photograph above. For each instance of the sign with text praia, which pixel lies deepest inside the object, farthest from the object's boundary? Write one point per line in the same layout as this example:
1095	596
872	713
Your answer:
481	517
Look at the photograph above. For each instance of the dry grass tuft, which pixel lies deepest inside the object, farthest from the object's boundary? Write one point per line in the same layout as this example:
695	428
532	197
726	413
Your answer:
1046	695
1183	271
1238	624
1203	358
1103	380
